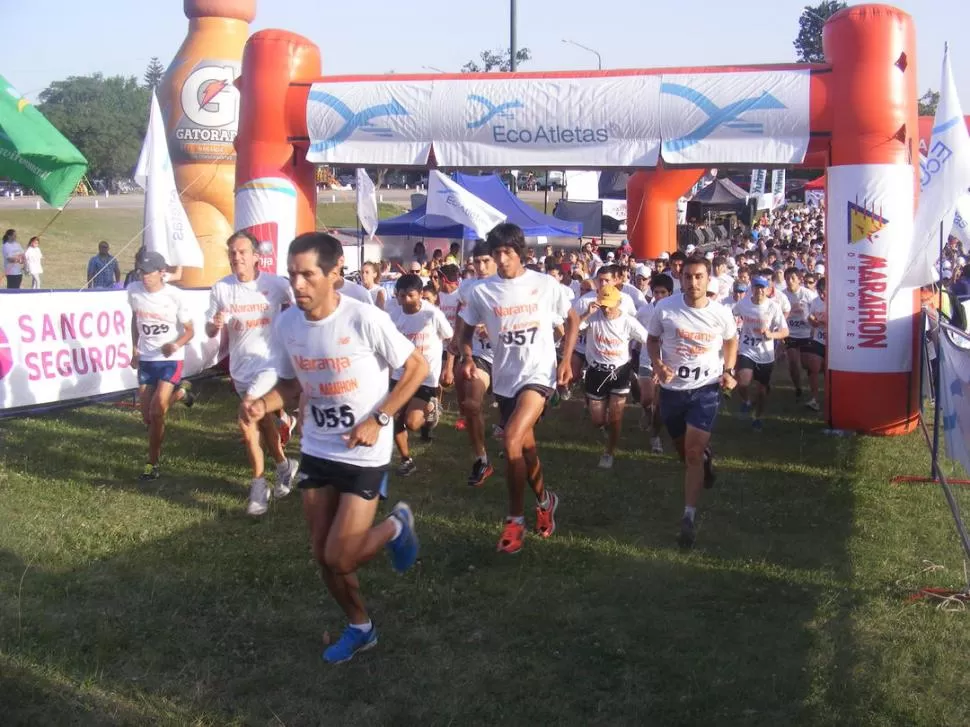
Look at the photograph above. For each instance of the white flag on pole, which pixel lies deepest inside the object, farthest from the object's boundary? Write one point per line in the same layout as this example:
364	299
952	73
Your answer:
167	228
944	179
366	203
778	177
955	393
757	181
446	198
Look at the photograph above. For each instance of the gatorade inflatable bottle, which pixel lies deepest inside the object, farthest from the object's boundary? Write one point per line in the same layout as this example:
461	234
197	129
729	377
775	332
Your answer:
201	109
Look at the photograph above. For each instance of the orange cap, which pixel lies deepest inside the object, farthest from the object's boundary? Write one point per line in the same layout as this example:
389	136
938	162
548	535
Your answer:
608	296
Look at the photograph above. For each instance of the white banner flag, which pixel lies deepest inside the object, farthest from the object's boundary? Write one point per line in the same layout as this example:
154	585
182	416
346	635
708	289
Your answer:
961	221
758	177
446	198
944	179
367	203
955	393
167	228
869	224
777	188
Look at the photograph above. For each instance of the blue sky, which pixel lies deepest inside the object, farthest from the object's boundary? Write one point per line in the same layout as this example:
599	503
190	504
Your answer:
49	40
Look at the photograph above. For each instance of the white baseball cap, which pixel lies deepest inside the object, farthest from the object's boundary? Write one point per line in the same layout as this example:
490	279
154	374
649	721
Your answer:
610	256
690	249
820	269
713	286
664	256
644	271
709	255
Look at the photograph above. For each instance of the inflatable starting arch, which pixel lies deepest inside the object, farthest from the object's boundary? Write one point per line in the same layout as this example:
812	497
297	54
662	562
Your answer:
855	115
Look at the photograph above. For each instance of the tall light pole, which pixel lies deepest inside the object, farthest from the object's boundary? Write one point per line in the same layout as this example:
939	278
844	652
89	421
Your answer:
513	61
599	58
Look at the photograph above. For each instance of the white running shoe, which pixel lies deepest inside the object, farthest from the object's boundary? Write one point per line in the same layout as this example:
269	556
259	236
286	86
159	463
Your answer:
606	461
813	405
656	445
258	497
285	472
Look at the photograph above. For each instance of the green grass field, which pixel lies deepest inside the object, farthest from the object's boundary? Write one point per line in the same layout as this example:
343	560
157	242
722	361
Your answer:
73	237
124	603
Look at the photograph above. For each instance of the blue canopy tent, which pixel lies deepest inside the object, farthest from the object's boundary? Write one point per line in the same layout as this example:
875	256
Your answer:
491	189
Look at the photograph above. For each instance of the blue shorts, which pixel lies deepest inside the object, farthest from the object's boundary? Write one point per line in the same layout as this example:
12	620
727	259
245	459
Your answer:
694	407
151	372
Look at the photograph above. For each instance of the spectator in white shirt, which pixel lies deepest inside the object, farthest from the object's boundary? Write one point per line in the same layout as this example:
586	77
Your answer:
33	258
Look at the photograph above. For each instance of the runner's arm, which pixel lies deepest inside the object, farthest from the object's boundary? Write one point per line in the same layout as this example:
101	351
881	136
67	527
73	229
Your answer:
571	328
286	394
415	371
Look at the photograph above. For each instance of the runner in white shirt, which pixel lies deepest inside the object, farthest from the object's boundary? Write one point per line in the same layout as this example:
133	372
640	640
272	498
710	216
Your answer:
356	291
662	287
339	353
762	323
245	304
606	275
370	277
813	355
520	308
161	325
799	298
608	376
693	347
428	329
471	391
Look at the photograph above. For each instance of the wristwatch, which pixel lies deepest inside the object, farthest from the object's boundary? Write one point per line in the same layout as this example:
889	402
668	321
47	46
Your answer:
730	372
382	418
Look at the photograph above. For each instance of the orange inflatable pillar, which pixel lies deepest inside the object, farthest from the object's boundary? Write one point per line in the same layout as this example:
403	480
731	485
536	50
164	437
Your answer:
871	386
651	208
201	109
275	185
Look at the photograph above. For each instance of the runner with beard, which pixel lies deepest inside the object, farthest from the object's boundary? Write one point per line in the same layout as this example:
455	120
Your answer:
693	348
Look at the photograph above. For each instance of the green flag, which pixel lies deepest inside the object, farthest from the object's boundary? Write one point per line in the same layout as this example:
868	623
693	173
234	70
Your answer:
33	152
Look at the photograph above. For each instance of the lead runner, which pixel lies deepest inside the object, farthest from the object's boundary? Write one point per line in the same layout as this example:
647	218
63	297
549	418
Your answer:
687	337
519	308
339	352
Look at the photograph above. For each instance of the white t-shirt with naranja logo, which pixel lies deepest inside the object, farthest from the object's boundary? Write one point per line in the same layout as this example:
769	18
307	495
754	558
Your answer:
481	346
448	303
817	308
428	329
800	300
764	317
159	317
519	314
342	364
581	306
248	311
691	340
608	341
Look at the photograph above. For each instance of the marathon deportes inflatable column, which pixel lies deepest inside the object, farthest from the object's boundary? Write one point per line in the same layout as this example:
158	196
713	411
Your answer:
871	188
651	208
275	185
201	109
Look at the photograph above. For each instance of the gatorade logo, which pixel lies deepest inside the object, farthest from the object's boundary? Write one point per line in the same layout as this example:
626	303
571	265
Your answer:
209	103
6	355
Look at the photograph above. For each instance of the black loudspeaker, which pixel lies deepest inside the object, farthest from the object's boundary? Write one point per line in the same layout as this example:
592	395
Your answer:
720	232
685	236
699	237
708	235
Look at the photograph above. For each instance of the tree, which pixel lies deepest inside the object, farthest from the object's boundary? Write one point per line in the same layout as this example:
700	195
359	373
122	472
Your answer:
105	118
496	60
154	73
809	40
928	102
